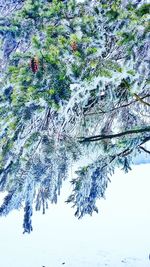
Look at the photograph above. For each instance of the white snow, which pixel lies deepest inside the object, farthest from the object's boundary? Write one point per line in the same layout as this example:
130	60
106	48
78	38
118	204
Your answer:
118	236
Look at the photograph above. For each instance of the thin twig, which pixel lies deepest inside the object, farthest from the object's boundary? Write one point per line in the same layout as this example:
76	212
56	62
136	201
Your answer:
144	149
115	108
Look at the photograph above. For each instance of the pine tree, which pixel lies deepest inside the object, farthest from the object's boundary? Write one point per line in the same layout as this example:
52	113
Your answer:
74	86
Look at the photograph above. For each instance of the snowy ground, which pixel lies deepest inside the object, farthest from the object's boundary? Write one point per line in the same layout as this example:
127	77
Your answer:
118	236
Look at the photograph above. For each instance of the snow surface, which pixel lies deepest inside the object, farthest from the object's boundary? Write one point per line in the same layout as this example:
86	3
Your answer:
118	236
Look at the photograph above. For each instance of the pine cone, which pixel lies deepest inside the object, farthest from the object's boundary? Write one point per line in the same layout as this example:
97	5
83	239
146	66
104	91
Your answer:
34	64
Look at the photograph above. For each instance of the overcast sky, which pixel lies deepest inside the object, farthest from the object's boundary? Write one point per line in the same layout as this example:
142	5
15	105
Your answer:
120	230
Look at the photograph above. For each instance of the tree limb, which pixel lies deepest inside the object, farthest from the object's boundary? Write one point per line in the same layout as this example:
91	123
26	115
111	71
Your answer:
110	136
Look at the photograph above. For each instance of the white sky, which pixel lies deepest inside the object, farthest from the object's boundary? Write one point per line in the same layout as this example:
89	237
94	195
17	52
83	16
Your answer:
118	236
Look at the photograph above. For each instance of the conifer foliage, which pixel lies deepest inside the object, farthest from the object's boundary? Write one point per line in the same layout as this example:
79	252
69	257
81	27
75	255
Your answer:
75	89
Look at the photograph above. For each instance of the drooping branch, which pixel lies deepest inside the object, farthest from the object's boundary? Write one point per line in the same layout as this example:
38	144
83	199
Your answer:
110	136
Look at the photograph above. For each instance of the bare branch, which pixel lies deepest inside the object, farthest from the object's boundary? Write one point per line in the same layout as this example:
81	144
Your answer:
144	149
110	136
115	108
141	100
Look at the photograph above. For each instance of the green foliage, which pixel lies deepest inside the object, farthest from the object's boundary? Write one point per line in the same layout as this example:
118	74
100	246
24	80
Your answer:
36	42
143	10
112	15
